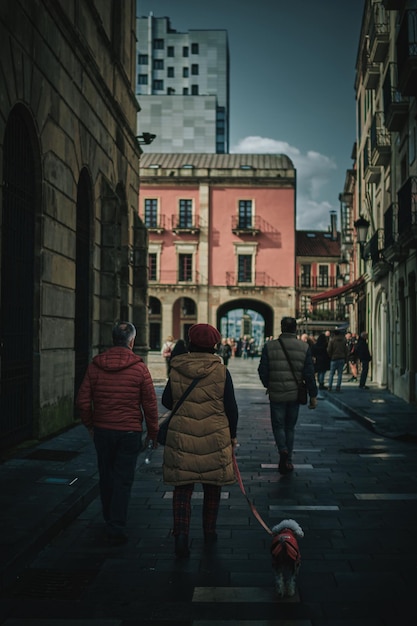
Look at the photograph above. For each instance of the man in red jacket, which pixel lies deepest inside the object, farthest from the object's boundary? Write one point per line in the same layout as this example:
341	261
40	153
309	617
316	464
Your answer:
115	395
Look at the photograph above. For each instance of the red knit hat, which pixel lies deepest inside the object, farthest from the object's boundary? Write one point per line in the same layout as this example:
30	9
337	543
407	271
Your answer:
204	335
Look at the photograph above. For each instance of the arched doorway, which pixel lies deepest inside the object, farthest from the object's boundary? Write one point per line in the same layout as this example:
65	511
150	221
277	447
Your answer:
246	316
82	322
184	313
19	272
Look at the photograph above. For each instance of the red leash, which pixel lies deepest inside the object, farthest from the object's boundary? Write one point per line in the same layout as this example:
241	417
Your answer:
251	505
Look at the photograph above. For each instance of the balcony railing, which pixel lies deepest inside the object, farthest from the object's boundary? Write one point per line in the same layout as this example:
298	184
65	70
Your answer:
173	278
407	213
395	104
185	224
251	225
407	53
380	139
371	72
260	279
156	226
372	173
375	249
378	34
392	249
316	282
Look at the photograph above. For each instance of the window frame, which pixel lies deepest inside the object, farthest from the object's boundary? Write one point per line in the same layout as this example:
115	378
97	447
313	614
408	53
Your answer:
151	209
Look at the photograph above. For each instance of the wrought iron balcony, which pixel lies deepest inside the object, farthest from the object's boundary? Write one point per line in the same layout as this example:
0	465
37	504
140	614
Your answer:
374	249
395	104
316	282
372	173
407	53
250	225
392	249
156	225
371	72
260	279
378	34
380	140
188	224
407	213
172	278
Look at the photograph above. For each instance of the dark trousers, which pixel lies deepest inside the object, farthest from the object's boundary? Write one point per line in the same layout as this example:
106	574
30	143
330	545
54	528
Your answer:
364	373
117	454
182	507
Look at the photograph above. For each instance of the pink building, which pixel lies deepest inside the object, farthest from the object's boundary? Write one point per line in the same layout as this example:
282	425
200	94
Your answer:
221	237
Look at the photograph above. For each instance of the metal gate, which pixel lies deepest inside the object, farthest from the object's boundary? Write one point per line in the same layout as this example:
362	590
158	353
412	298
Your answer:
17	283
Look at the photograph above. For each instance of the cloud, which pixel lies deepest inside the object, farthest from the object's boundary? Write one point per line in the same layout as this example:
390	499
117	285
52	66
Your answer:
314	172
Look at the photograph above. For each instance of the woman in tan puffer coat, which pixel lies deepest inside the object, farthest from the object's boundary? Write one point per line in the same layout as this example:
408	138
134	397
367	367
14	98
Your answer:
201	434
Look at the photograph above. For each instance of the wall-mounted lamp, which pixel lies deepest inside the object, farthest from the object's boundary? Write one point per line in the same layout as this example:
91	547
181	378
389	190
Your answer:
344	267
361	226
145	138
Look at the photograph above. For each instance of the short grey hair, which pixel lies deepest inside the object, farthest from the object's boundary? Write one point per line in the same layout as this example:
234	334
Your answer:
123	333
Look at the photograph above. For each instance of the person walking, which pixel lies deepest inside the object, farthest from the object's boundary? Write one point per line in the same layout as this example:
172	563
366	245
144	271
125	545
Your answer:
276	375
338	353
201	434
116	395
321	359
351	341
225	351
364	355
166	351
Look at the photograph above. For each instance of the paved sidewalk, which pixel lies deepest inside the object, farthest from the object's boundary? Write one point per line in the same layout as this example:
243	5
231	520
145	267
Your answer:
52	486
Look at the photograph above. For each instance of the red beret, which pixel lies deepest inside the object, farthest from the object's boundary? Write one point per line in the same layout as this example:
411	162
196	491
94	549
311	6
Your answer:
204	335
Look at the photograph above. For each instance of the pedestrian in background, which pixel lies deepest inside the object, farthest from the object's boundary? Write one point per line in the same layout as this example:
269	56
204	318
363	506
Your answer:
364	355
224	351
338	353
351	341
201	434
276	375
117	393
166	351
321	359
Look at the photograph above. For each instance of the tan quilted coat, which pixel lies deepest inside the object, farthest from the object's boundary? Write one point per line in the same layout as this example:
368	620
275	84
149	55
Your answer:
198	447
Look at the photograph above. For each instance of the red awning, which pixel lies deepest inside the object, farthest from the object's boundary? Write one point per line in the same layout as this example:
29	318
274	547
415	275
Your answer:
338	291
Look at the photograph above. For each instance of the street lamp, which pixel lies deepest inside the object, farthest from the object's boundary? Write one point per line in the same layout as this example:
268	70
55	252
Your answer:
361	226
145	138
344	267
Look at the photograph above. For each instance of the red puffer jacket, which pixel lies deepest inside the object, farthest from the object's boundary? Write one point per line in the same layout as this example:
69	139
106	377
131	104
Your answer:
117	392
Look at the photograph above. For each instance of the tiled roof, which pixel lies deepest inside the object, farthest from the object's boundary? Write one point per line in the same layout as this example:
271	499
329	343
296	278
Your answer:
317	243
217	161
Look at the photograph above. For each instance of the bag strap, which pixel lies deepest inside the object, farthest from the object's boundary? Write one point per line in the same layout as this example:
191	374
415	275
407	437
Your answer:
181	400
284	349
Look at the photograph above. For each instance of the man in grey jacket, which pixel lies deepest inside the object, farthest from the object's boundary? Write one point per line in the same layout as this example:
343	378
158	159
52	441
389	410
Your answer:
338	352
276	375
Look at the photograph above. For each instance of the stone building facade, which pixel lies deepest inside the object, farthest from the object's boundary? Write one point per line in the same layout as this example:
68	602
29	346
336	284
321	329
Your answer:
73	250
386	189
221	238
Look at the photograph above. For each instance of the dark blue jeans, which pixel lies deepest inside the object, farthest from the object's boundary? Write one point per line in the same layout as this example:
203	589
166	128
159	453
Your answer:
117	454
284	417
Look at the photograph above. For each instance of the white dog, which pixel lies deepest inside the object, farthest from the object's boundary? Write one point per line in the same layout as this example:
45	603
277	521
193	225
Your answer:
286	556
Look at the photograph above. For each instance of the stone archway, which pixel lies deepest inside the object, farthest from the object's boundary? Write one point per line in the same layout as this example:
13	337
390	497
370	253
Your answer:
248	304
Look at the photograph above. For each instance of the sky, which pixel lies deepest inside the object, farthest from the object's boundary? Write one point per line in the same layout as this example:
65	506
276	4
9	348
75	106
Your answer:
292	74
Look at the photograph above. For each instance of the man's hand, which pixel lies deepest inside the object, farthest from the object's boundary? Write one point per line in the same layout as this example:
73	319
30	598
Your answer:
313	403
